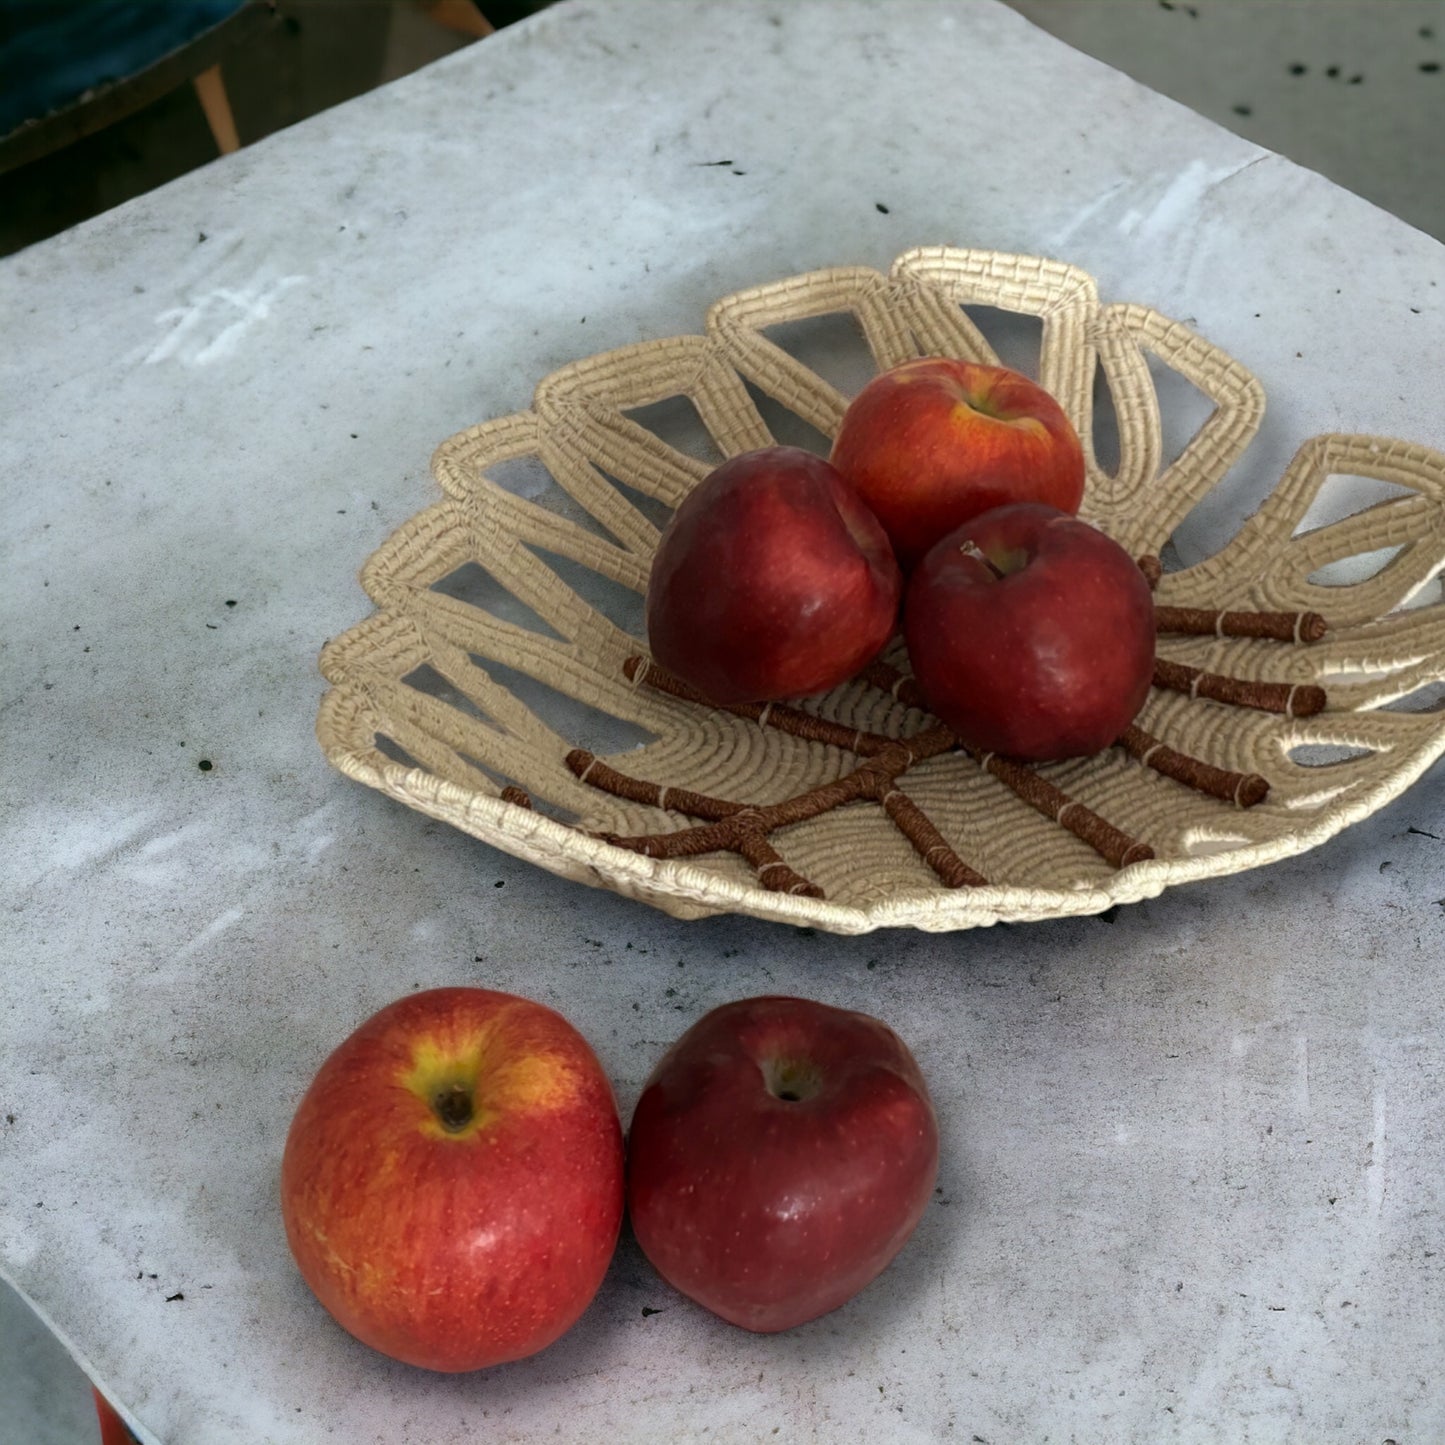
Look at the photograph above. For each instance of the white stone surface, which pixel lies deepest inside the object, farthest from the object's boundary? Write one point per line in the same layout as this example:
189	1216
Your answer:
1193	1158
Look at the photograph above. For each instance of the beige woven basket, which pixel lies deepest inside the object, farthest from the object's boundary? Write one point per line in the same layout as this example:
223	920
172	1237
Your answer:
492	687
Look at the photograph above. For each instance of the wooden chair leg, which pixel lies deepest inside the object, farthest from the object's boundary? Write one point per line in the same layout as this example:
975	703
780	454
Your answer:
211	92
460	15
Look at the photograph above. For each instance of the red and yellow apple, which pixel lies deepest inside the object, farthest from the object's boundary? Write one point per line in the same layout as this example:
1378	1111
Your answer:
772	580
1031	634
933	443
452	1183
780	1155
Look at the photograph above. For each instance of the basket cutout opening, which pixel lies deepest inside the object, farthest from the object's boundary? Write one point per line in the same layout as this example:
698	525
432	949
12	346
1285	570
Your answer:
1107	446
431	683
1326	755
579	724
787	427
1427	699
1430	593
528	477
1015	337
654	509
390	748
831	345
1359	567
1184	410
618	603
477	587
1342	495
676	422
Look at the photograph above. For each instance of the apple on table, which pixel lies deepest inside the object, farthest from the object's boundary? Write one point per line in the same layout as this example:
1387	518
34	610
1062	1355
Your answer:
780	1155
772	580
452	1183
933	443
1031	634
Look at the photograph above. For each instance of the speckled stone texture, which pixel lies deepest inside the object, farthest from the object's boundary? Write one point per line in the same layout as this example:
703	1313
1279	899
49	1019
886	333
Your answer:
1192	1155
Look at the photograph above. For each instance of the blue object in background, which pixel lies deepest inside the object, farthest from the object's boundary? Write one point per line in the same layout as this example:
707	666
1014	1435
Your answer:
53	51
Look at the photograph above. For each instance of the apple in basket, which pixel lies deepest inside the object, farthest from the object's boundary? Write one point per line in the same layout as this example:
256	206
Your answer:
933	443
1031	634
452	1184
781	1153
772	580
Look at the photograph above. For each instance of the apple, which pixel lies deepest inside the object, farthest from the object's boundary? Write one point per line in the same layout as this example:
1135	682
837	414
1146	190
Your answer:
933	443
780	1155
452	1183
1031	634
771	580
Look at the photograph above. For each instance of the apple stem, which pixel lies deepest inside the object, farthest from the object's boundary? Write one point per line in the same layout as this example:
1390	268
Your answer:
453	1107
972	549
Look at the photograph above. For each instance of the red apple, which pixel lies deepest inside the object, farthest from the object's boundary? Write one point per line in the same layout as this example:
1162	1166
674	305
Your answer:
933	443
780	1156
452	1185
1031	634
772	580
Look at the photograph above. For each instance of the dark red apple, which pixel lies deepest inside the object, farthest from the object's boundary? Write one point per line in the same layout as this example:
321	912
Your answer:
780	1155
772	580
933	443
1031	634
452	1185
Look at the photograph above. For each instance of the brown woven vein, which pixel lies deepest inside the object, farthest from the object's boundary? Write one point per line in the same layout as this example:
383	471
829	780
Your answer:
1280	626
1112	844
1290	699
744	828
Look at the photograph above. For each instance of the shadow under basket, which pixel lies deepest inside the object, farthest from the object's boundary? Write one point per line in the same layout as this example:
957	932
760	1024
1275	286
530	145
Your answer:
503	683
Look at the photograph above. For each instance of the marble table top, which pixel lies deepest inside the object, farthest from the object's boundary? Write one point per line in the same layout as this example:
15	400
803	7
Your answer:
1193	1157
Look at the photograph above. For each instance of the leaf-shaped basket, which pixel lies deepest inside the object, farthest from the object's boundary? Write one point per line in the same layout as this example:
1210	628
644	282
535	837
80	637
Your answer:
502	684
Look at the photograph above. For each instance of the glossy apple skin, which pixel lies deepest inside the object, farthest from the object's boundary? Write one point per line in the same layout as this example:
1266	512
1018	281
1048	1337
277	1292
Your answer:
1051	661
456	1250
933	443
770	1211
772	580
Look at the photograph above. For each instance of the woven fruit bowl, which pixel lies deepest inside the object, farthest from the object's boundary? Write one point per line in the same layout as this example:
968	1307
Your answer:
503	683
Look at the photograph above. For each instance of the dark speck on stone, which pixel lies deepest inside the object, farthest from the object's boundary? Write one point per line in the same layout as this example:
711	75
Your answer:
1243	110
1333	71
880	208
1430	67
1297	68
205	765
500	883
201	237
1356	79
230	602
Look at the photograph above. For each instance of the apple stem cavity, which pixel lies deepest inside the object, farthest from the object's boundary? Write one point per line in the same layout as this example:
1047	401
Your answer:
453	1105
791	1080
972	549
